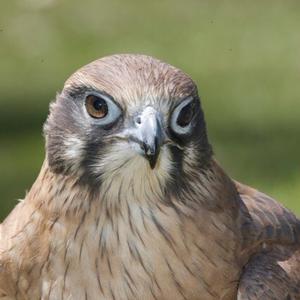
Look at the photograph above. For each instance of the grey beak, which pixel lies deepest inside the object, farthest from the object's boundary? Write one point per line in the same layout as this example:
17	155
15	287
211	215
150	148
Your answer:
149	134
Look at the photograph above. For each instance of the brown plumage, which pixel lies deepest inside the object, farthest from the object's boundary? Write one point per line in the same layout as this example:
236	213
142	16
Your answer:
130	204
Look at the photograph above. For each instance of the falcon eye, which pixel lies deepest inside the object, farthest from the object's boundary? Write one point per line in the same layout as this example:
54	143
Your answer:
185	116
182	116
96	106
101	109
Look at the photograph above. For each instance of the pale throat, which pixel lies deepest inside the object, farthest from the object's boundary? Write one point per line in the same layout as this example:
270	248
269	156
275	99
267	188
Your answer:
127	175
126	178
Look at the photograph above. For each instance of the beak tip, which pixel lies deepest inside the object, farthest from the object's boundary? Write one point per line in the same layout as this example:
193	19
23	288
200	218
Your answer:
152	161
152	165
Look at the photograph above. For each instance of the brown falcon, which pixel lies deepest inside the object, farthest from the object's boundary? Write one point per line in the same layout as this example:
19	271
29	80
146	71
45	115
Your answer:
130	204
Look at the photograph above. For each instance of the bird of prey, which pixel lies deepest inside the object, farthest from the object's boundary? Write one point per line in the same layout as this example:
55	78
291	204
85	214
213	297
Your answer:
131	204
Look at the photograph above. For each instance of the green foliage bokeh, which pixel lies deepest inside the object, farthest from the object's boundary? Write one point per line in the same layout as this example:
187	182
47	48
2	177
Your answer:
244	55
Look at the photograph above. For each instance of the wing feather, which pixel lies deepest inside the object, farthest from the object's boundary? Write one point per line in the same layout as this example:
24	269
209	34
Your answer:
271	236
264	220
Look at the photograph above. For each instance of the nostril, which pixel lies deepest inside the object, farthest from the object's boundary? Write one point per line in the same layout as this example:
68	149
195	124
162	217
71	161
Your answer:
138	120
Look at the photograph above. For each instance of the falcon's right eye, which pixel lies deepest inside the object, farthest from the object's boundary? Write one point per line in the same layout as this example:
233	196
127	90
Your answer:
102	108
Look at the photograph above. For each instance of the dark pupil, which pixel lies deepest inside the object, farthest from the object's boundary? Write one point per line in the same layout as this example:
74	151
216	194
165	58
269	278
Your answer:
100	105
185	115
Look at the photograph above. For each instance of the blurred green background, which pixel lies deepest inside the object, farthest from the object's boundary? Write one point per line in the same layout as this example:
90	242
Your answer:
245	56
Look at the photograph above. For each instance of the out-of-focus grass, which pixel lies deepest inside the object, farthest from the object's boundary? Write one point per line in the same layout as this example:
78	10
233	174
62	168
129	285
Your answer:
244	56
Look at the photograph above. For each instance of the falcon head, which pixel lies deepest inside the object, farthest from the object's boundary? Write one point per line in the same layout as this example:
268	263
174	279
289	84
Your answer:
130	119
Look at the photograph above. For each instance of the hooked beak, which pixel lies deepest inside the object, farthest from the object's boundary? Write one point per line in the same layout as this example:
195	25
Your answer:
149	134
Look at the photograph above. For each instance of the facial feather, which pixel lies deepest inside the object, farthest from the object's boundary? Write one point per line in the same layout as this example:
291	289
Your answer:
108	159
123	171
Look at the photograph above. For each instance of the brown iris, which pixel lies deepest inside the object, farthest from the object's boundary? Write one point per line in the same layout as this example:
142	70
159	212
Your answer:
96	106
